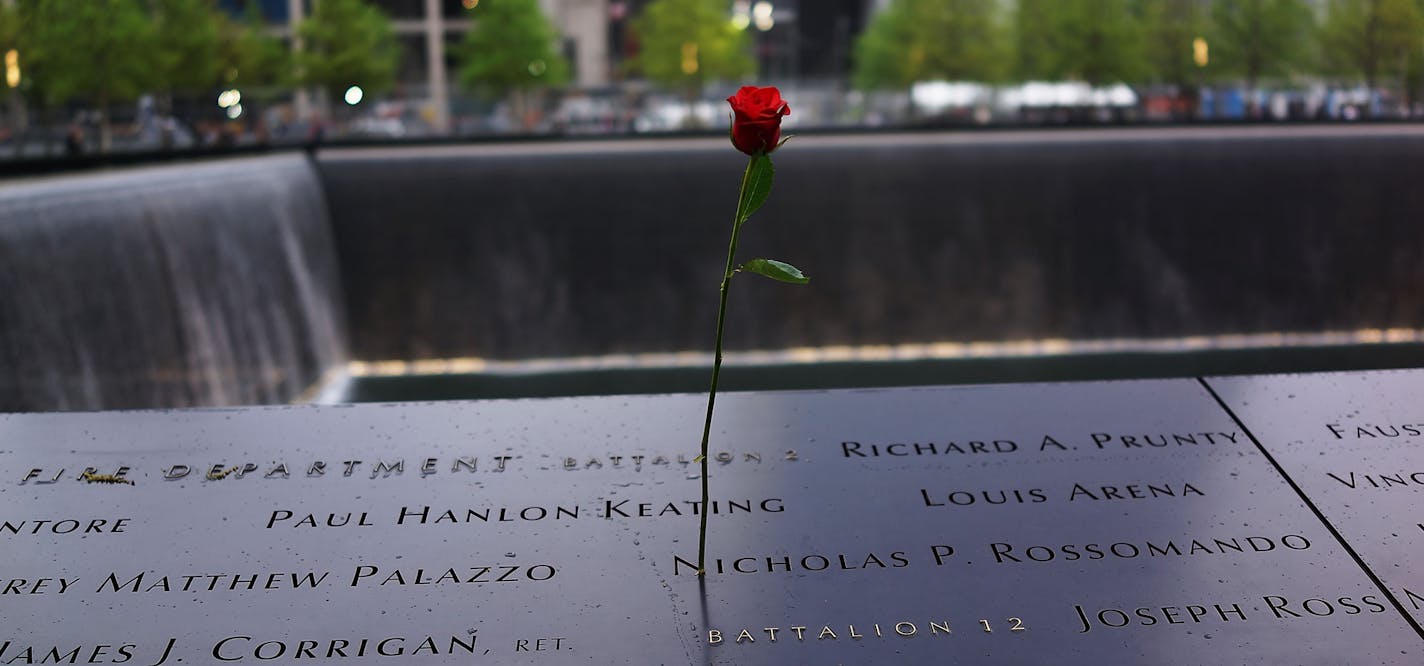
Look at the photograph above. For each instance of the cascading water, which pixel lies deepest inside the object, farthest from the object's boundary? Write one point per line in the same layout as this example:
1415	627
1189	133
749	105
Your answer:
188	285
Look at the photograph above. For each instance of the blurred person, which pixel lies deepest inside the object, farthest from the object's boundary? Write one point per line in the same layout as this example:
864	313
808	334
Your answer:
227	134
74	140
316	133
167	129
208	134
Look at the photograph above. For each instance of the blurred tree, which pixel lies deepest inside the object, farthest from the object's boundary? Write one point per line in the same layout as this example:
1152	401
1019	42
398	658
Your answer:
13	50
1373	39
186	46
921	40
1414	71
186	57
11	32
1035	39
1171	28
250	59
1257	38
510	52
685	43
347	43
99	51
1099	41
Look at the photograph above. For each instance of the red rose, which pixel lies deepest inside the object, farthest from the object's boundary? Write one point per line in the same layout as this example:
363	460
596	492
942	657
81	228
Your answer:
756	126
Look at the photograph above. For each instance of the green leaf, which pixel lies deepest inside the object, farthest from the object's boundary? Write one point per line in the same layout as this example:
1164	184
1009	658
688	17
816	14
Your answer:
756	186
776	270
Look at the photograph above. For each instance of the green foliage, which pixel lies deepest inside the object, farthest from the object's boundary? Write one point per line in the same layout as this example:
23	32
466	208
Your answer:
100	51
1373	39
881	60
1033	38
346	43
756	187
250	59
919	40
1100	41
12	33
1097	41
1258	38
185	45
1171	26
1413	74
688	42
9	25
776	270
11	28
511	47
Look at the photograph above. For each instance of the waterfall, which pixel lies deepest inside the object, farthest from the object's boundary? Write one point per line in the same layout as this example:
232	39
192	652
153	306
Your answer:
196	284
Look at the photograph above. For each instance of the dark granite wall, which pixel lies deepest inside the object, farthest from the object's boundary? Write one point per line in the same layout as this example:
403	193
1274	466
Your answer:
592	248
208	283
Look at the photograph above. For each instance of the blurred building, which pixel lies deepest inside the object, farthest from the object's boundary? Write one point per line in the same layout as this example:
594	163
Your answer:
807	39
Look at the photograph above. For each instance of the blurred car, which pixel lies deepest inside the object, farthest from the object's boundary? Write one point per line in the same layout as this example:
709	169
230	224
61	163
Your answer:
665	115
371	127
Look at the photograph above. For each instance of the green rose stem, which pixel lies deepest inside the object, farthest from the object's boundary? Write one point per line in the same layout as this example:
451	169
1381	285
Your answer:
717	363
756	185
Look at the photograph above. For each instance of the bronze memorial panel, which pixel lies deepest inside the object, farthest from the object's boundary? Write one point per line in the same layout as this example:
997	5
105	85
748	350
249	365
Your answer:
1090	523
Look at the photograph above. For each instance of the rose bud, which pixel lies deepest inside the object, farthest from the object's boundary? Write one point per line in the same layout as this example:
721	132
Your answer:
756	122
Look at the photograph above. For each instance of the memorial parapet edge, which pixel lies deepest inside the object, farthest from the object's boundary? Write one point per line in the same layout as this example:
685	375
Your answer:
1120	522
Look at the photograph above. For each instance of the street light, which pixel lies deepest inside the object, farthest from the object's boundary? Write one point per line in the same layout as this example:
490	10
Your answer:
353	95
689	58
12	68
762	15
229	98
1200	56
741	14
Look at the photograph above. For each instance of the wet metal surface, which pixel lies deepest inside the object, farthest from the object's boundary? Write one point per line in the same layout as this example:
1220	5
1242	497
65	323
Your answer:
1354	443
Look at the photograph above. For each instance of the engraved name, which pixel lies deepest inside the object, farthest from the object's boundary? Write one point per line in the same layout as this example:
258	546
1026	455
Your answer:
1079	493
1372	431
1049	443
1006	553
65	526
1279	608
1378	481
